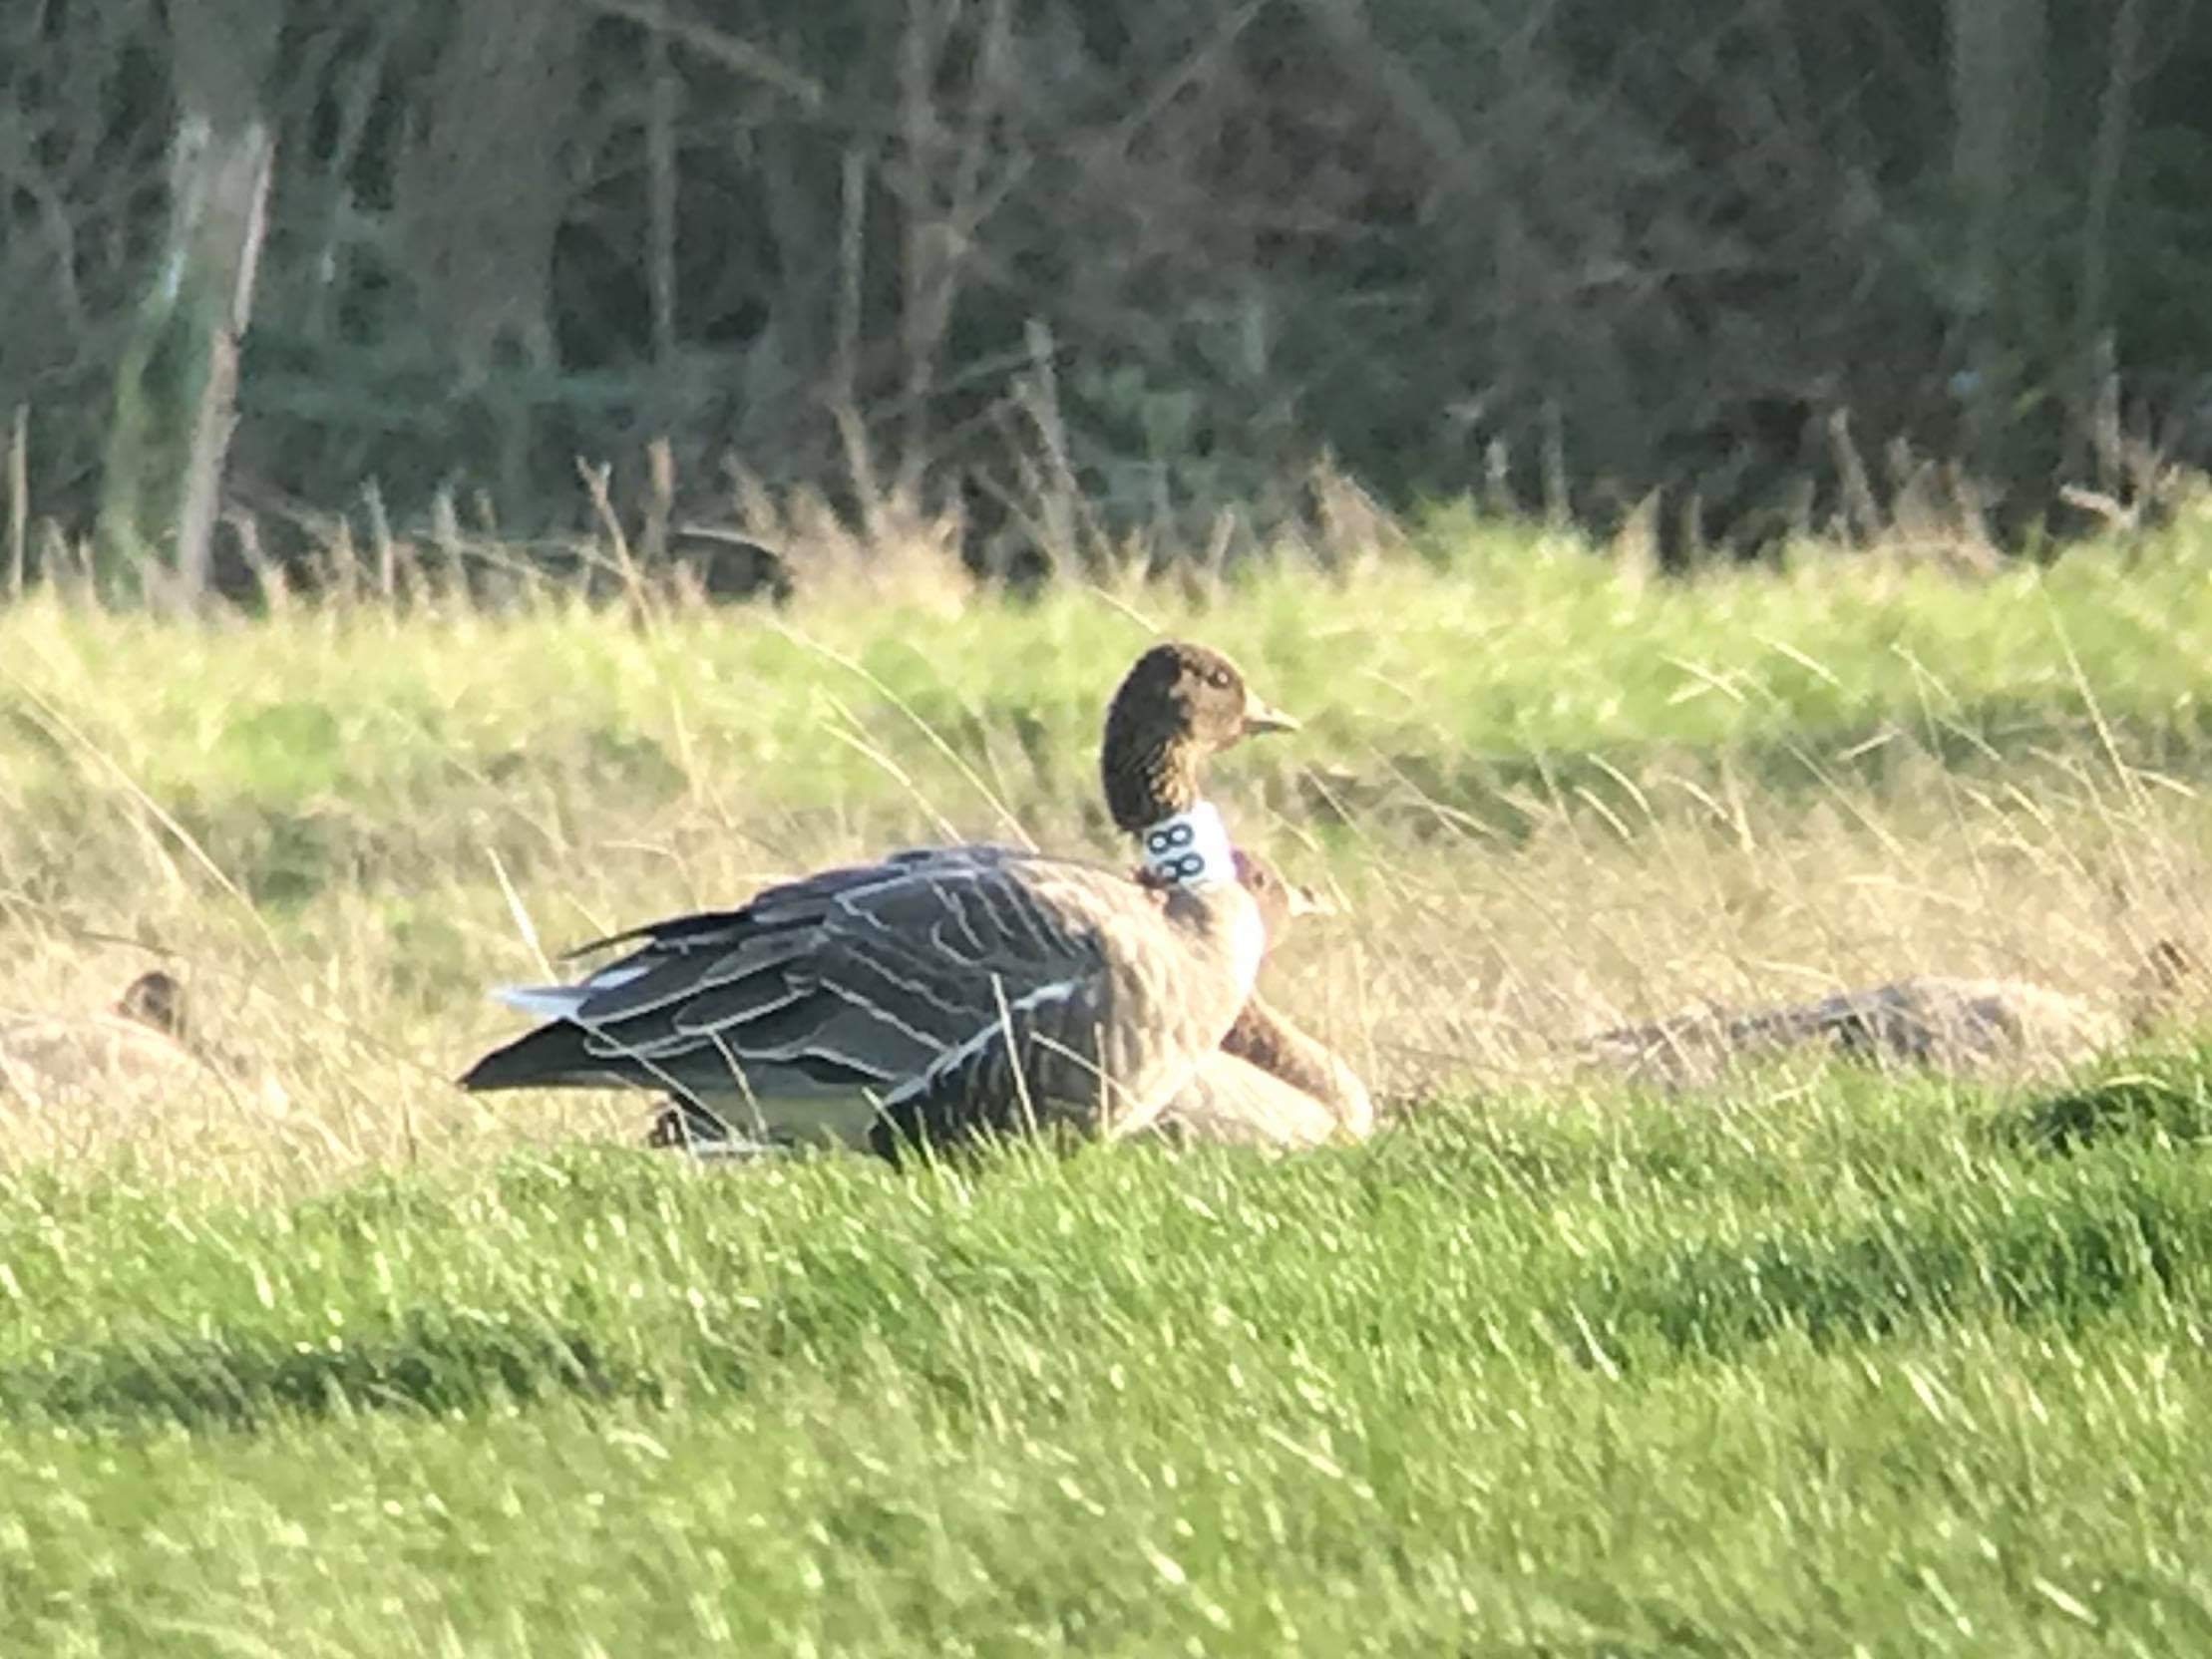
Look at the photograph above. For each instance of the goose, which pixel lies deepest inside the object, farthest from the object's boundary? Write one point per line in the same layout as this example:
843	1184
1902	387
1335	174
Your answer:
142	1038
1933	1021
944	992
1269	1084
1289	1089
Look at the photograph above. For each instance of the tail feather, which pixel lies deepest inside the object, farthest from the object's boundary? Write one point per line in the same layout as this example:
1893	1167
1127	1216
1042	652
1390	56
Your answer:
548	1002
550	1057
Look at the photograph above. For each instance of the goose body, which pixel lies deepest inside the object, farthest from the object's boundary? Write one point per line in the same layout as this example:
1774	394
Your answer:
1929	1020
1936	1020
1268	1083
140	1044
932	995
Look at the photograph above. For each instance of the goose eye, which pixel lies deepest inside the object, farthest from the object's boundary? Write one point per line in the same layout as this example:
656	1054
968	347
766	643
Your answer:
1218	678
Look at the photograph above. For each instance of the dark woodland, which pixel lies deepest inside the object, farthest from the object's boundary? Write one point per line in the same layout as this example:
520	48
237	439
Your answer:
1750	266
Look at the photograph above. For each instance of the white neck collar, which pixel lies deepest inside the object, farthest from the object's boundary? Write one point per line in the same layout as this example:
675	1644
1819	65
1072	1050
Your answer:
1190	849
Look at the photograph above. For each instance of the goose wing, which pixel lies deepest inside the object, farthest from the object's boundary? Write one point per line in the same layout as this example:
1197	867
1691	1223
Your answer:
1104	1056
922	981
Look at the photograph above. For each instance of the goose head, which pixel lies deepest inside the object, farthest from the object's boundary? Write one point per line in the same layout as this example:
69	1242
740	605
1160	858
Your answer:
1176	706
2170	977
155	1000
2169	965
1280	900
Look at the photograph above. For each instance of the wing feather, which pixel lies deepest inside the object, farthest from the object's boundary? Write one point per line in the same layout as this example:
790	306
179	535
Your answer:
866	972
964	989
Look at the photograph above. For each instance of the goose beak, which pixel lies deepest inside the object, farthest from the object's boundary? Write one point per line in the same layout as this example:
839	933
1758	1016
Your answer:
1305	901
1264	717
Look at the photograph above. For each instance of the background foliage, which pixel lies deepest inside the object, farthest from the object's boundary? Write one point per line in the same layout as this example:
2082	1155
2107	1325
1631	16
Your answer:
1764	256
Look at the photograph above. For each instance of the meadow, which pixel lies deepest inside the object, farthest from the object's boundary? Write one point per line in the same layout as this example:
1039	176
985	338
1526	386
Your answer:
313	1355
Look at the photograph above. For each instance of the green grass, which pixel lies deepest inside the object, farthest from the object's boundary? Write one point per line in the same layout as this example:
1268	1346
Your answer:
1605	1380
1815	1362
1464	670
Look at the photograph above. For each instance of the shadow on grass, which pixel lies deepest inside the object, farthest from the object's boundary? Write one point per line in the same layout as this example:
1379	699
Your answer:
430	1362
2060	1252
2163	1100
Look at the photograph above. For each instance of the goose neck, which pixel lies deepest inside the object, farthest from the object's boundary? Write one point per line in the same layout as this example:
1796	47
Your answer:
1147	779
1189	848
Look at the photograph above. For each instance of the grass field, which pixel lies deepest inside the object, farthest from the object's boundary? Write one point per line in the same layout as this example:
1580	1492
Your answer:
314	1356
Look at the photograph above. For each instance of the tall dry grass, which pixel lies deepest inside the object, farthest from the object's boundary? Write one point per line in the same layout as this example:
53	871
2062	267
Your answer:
1549	799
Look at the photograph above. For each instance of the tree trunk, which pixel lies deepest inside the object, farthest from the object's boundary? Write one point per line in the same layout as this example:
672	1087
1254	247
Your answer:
176	388
1998	51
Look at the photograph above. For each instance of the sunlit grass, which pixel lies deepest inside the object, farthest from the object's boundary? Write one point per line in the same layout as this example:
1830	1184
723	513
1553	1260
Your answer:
312	1354
1595	1375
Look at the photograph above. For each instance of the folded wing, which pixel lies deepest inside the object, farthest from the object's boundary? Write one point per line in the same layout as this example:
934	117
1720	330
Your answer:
931	994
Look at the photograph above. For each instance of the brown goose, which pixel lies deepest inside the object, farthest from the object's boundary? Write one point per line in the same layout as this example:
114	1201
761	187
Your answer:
1279	1088
1271	1085
948	991
1289	1089
141	1039
1930	1020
